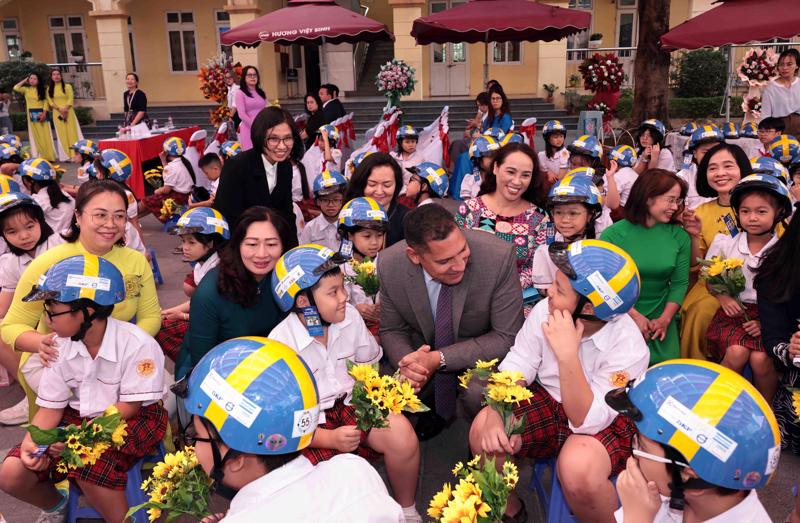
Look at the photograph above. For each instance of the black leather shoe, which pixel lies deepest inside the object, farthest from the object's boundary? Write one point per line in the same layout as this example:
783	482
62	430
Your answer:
429	424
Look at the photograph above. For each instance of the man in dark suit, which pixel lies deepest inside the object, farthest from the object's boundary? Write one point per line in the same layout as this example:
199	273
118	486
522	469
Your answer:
263	174
448	298
332	107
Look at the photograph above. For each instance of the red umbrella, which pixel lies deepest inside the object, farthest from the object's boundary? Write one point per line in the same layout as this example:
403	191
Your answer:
499	21
736	22
311	22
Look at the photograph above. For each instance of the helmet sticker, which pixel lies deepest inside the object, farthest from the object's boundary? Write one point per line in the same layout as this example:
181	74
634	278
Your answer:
287	281
216	222
601	285
304	421
229	399
697	429
88	282
773	456
376	215
115	167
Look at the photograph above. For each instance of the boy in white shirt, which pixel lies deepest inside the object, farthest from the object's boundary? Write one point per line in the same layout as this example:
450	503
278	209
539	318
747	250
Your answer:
179	179
694	458
570	365
703	139
211	165
328	332
329	188
768	129
427	184
253	451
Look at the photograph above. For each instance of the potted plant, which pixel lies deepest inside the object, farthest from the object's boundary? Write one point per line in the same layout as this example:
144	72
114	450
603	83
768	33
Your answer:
26	56
551	89
574	81
595	40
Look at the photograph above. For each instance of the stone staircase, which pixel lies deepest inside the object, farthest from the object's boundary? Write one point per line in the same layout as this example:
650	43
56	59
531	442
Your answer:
378	54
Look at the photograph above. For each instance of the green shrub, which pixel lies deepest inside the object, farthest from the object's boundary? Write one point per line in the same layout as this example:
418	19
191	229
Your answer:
84	115
20	121
13	71
699	108
701	73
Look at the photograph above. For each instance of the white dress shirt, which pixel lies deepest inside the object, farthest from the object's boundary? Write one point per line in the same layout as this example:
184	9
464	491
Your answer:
610	358
625	179
12	266
343	489
736	247
58	218
177	177
272	173
433	287
129	367
200	270
322	232
347	340
749	510
779	101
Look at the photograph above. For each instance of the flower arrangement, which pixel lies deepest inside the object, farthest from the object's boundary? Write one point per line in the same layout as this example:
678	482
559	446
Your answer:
178	487
155	177
724	276
752	106
480	495
366	277
795	402
600	106
602	73
758	67
170	209
395	79
213	86
86	442
502	392
376	396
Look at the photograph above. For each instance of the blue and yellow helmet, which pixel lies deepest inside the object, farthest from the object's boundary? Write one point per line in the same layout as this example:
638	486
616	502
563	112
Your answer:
588	172
574	189
482	146
656	125
748	130
8	185
705	134
624	155
38	169
601	272
202	220
356	160
435	176
258	394
553	126
786	149
771	166
688	128
174	146
730	131
80	277
230	149
299	269
494	132
712	416
407	131
329	182
766	183
117	163
333	133
87	147
7	151
12	140
363	212
586	145
511	137
12	200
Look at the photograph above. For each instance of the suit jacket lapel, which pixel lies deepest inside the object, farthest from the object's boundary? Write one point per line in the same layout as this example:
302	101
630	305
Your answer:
418	297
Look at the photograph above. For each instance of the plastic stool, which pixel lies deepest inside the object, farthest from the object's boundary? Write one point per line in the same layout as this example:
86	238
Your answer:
553	503
133	492
154	265
747	372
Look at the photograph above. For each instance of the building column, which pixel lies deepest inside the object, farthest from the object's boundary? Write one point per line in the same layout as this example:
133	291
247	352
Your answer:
552	63
405	47
111	20
264	57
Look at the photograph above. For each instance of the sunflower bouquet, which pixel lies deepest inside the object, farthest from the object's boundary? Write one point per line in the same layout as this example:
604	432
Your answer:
155	177
502	392
170	209
724	276
480	495
178	486
84	443
375	396
366	277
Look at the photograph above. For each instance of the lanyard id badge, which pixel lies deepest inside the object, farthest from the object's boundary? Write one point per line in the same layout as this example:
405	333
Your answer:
730	224
313	321
550	232
346	249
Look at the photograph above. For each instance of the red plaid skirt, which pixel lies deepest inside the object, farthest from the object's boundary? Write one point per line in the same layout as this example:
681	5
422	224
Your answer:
154	202
724	331
145	432
338	416
547	428
171	335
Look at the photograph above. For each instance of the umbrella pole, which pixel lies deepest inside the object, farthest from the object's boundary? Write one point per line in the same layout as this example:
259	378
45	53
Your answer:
486	60
323	66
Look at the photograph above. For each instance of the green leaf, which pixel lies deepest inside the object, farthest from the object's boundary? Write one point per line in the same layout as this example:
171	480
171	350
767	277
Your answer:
45	436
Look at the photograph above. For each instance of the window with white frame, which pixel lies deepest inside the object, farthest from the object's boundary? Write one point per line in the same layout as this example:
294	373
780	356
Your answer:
13	42
506	52
182	42
222	22
581	4
579	40
68	38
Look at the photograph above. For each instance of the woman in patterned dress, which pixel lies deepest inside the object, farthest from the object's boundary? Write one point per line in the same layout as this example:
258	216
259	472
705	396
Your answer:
509	205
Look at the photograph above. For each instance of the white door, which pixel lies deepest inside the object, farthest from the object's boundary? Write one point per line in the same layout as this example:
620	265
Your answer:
449	62
627	35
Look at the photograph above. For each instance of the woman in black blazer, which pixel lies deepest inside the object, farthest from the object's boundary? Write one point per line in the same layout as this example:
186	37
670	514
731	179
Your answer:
245	182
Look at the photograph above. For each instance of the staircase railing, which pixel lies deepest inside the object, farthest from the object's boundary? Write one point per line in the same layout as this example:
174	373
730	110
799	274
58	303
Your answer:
360	53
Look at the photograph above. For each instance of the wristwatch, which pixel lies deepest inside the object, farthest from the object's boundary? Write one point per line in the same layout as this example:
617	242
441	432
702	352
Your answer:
442	361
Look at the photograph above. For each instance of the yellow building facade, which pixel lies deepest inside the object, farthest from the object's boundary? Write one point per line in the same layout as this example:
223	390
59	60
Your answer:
166	43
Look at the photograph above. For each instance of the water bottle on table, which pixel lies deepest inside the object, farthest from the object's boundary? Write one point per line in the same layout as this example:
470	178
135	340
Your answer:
170	125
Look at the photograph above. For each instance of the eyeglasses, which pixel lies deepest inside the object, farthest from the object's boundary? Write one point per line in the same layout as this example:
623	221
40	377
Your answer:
190	438
672	201
101	218
251	75
330	201
52	315
273	141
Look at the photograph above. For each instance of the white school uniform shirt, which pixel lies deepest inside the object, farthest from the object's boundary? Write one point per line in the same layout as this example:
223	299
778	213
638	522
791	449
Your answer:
271	170
58	218
133	206
693	199
299	221
347	340
212	188
133	239
413	160
749	510
12	266
177	176
200	270
297	184
736	247
129	367
560	160
665	161
610	358
625	178
83	176
470	185
343	489
322	232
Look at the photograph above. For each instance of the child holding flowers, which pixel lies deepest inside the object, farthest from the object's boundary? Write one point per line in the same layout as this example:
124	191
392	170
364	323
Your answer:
101	362
760	202
328	332
569	365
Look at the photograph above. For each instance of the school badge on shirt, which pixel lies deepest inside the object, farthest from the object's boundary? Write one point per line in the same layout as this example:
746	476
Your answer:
145	367
619	379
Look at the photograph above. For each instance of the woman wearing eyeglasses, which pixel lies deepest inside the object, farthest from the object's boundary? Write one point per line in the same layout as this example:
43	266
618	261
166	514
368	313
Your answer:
250	100
263	175
654	238
98	228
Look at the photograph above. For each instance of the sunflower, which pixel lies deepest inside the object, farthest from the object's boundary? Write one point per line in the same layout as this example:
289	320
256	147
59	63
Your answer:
439	501
480	364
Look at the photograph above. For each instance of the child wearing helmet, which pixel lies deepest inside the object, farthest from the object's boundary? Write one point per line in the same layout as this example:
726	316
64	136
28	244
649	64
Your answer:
554	160
598	283
102	363
84	154
324	156
256	459
41	180
702	140
308	284
406	153
329	189
10	160
211	165
624	158
769	129
760	202
693	457
651	150
203	231
179	179
730	131
481	151
229	149
428	183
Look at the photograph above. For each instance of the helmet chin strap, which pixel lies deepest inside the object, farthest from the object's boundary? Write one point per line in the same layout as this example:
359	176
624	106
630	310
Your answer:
577	314
218	471
85	325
